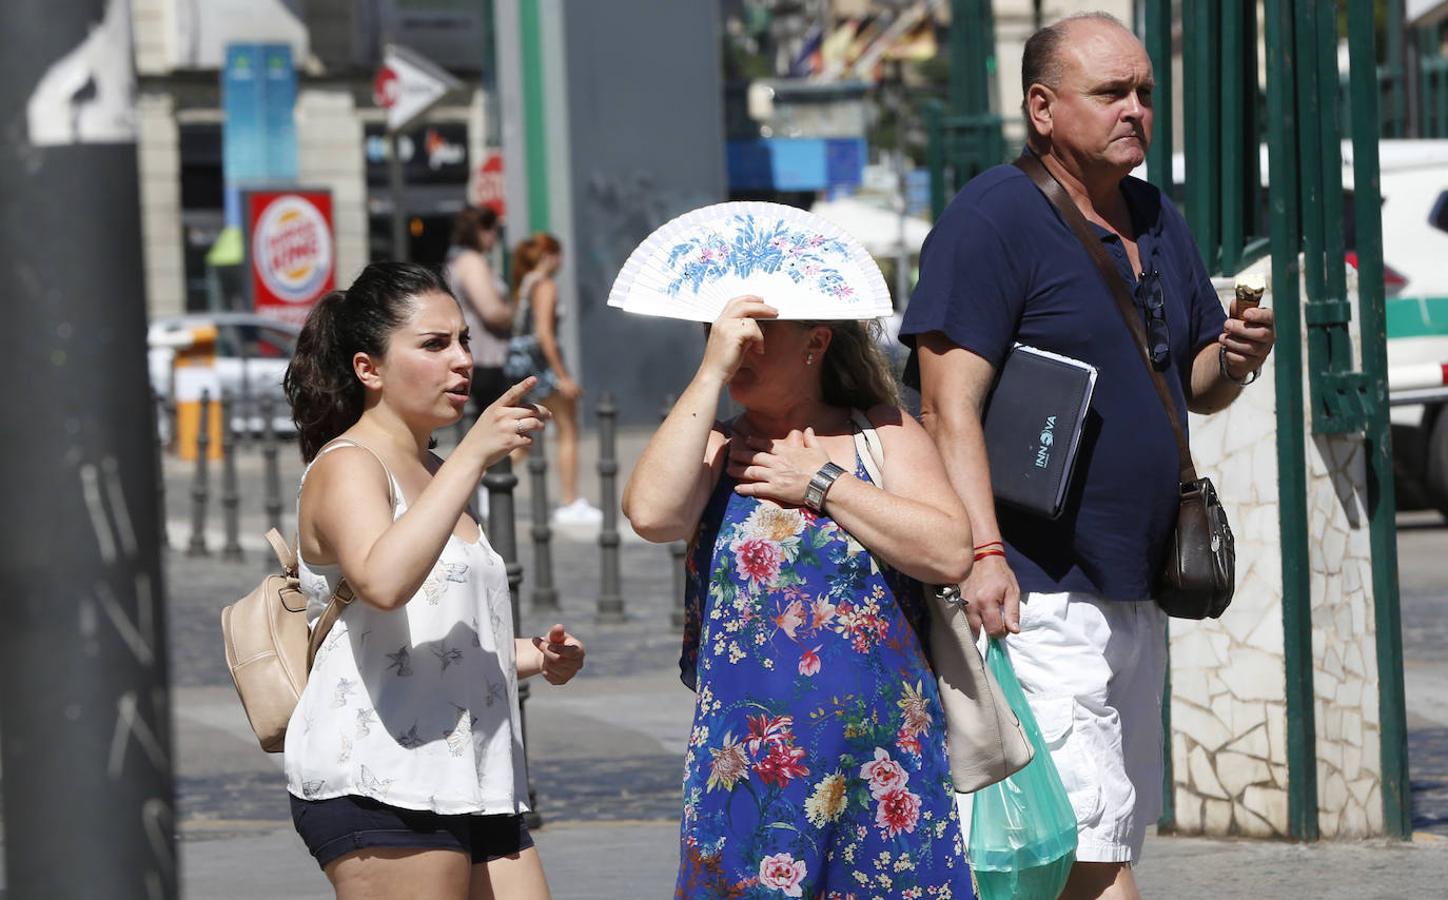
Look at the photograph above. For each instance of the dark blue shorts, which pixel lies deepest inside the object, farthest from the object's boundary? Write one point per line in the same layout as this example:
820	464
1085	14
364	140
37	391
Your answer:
335	827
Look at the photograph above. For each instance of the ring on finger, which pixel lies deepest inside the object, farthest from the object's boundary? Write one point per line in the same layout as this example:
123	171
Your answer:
520	427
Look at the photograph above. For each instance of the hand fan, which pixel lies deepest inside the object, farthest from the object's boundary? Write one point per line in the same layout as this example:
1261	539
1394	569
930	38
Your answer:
802	265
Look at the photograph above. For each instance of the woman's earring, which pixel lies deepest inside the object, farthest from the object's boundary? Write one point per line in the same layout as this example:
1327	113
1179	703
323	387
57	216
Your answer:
809	360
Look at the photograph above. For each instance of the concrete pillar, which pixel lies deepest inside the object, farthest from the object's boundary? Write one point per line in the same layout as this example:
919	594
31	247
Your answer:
330	155
1229	712
158	158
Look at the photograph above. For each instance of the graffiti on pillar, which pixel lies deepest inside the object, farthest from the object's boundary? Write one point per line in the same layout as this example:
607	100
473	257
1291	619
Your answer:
140	718
88	96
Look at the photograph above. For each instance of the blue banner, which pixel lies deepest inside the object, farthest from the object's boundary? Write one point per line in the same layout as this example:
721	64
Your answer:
259	134
795	164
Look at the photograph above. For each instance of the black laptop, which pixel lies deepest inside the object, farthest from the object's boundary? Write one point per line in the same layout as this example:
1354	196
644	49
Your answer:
1033	424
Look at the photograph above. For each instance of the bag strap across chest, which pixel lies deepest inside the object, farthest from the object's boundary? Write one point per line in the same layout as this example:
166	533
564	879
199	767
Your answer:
868	447
1048	185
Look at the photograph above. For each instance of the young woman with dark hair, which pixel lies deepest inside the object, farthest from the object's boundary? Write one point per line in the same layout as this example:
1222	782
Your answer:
404	758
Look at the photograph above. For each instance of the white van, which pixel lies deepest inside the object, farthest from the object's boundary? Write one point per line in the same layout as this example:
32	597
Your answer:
1414	186
1415	252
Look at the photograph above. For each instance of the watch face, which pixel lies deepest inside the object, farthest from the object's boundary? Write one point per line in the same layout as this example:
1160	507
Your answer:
812	496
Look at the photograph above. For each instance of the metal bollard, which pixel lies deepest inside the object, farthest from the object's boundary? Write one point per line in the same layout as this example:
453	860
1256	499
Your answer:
246	401
200	489
162	422
610	598
545	594
503	535
230	499
273	477
678	550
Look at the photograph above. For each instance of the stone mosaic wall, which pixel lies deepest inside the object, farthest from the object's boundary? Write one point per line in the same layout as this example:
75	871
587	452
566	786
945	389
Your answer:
1229	743
1343	634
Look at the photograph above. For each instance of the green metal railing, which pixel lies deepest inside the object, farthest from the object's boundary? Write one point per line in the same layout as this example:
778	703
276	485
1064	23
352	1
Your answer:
1224	202
964	139
1285	231
1308	113
1397	803
1304	139
957	149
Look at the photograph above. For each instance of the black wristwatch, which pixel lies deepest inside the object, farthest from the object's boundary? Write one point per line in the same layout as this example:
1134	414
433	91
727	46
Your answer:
1242	382
819	485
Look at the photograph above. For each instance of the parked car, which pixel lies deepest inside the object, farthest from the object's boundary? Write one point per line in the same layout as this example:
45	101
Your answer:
1414	187
252	354
1415	243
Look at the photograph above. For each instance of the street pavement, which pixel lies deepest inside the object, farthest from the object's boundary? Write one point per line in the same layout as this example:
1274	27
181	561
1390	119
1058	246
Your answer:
606	751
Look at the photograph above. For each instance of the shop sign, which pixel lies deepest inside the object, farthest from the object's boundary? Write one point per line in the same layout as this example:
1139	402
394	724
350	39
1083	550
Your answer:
291	251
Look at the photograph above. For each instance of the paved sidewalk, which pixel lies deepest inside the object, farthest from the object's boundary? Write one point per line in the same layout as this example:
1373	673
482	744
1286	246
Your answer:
606	751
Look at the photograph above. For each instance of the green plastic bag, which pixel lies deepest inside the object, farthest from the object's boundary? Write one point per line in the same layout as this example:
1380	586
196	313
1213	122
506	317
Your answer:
1023	829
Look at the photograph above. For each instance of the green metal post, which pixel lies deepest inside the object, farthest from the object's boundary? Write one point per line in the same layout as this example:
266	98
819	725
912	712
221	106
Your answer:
994	140
1157	29
1202	85
1158	47
1339	342
963	58
1440	81
1235	42
1282	129
932	112
535	127
1309	149
1397	117
1397	812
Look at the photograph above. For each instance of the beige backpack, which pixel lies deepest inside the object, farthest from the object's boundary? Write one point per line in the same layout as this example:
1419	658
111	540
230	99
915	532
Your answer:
269	649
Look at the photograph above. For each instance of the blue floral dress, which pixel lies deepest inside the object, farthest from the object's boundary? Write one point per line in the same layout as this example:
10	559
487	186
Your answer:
817	764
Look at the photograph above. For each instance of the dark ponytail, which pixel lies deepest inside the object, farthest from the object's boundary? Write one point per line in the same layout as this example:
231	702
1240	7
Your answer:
320	384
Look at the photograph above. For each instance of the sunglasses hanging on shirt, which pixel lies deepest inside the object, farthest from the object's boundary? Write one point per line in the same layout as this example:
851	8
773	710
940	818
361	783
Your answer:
1158	340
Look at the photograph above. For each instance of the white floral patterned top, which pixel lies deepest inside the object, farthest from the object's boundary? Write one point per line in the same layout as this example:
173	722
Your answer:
415	707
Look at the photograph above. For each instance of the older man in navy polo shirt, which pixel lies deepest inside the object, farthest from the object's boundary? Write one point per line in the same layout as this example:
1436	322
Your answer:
1002	266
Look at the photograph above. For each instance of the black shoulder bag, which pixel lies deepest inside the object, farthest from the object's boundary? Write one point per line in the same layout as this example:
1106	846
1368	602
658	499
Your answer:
1198	575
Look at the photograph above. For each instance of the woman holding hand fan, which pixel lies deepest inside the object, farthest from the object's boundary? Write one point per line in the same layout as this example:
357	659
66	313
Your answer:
817	760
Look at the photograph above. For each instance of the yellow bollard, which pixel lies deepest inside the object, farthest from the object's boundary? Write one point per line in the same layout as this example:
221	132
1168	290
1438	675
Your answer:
193	371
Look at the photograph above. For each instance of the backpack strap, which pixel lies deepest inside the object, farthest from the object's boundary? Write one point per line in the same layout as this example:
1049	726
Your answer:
283	550
868	447
343	596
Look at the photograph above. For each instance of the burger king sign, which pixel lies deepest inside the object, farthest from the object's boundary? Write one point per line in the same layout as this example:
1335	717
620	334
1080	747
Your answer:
290	251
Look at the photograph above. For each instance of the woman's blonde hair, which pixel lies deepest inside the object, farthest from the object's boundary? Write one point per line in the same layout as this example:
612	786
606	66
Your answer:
854	372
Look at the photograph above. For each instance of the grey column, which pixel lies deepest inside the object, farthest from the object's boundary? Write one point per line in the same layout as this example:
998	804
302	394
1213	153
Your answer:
85	731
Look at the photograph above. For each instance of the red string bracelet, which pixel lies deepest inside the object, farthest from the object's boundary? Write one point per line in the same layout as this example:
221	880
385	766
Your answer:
982	554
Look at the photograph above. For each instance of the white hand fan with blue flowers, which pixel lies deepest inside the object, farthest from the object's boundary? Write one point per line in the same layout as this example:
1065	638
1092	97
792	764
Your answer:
797	262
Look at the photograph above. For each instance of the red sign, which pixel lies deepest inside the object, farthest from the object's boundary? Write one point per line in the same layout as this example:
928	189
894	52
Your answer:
290	251
488	184
385	88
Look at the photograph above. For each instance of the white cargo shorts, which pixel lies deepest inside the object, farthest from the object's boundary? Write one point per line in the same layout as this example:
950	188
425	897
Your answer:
1093	672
